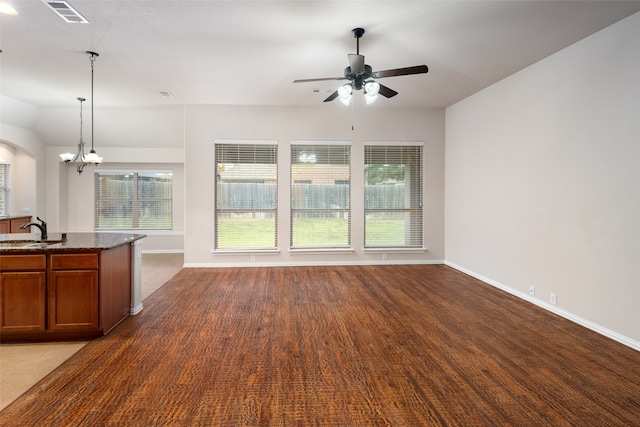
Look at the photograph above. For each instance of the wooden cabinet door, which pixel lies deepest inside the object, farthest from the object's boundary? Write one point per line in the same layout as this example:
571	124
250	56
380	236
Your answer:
5	226
22	302
17	222
73	300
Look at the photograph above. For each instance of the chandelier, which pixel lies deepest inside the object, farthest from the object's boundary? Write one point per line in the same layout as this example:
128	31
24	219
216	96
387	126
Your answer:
80	159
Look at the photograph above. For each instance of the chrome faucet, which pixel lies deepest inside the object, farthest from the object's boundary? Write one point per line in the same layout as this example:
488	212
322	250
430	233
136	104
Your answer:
42	226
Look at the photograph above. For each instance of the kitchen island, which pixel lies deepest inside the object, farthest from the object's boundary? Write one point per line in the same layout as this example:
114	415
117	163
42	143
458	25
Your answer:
71	286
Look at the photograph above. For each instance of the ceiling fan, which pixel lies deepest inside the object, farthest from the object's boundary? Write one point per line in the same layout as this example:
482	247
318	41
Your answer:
361	76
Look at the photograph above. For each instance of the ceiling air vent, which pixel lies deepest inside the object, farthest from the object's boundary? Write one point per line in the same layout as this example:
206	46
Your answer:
66	12
165	94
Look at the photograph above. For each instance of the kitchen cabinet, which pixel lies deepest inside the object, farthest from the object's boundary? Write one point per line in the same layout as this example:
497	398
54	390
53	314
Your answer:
12	224
17	222
22	293
49	295
73	292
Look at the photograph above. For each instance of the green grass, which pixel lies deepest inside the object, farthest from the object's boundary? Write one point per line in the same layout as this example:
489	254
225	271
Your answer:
127	224
320	232
385	232
247	233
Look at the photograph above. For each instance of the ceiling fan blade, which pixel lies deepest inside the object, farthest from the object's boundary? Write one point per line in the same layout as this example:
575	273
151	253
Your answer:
356	62
386	92
318	80
331	97
418	69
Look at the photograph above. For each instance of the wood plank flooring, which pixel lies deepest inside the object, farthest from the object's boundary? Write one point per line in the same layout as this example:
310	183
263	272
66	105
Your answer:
338	346
24	364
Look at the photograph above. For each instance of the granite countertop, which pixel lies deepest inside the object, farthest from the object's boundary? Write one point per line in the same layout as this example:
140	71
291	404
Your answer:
20	242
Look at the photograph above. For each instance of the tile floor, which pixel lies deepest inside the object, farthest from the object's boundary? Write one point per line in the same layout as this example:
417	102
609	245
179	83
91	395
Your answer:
23	365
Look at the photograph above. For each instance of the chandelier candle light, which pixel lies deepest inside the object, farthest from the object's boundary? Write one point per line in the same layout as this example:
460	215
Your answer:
80	159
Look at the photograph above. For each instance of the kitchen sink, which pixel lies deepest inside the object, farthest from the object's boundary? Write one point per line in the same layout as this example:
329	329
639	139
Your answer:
34	244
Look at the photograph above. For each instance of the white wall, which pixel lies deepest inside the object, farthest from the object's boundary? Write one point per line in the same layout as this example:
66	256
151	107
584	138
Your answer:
24	150
332	122
159	127
543	182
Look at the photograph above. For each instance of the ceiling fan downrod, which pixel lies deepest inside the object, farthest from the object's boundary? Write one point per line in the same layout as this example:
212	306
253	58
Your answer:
357	33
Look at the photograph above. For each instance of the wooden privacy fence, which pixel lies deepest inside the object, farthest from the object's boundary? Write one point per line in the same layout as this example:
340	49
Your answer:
327	198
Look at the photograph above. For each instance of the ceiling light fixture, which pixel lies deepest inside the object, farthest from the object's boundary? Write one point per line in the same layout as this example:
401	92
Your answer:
66	12
344	92
371	90
80	159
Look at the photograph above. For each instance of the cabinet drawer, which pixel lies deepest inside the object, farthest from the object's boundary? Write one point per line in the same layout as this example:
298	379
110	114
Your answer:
74	261
23	262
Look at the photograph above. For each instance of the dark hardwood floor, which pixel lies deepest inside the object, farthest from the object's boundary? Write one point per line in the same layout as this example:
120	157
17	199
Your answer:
338	346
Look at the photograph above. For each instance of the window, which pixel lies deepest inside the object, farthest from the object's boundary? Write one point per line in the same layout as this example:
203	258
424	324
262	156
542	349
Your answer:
246	195
393	196
320	195
5	186
134	200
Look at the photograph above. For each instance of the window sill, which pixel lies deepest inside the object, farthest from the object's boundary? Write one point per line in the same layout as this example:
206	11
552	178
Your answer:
244	251
147	231
322	251
394	250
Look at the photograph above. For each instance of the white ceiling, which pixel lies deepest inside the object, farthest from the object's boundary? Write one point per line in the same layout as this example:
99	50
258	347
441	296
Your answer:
249	52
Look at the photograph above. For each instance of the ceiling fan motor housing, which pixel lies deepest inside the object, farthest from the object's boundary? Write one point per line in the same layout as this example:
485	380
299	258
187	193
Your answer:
358	79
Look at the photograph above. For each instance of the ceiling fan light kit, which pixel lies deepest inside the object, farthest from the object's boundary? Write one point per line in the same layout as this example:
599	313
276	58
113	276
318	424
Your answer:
344	93
361	77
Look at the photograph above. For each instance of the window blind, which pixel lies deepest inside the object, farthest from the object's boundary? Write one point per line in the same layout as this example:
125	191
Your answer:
5	186
134	200
393	196
246	195
320	195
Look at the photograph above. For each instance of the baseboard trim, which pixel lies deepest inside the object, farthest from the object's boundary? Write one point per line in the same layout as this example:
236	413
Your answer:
136	310
307	264
563	313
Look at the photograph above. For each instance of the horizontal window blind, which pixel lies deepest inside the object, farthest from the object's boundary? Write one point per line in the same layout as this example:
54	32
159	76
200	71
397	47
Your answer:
393	196
320	195
134	200
5	187
246	195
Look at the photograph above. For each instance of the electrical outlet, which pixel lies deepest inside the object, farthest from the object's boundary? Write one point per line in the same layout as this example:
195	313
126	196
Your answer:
253	258
384	257
552	298
532	290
